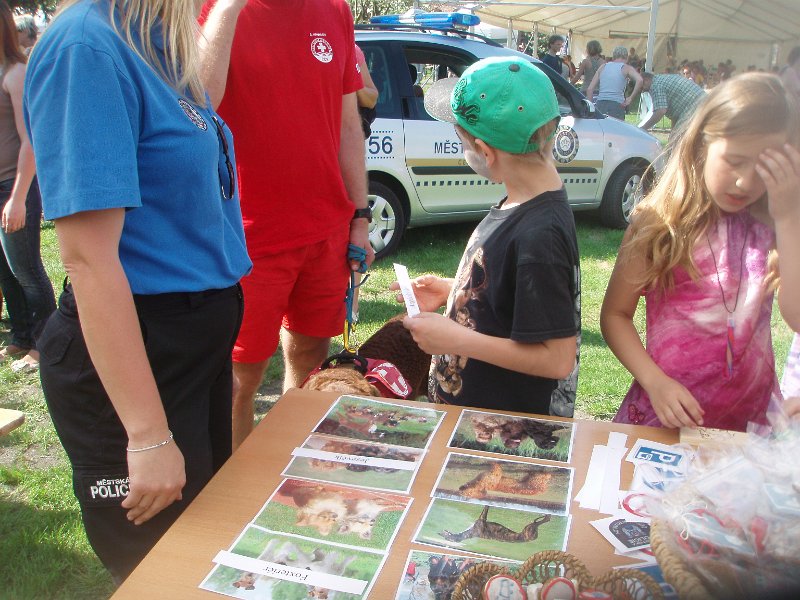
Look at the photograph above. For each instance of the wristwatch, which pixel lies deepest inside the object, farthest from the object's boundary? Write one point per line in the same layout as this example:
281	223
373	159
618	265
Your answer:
363	213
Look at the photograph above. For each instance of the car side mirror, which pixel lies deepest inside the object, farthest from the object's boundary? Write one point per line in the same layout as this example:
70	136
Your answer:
589	105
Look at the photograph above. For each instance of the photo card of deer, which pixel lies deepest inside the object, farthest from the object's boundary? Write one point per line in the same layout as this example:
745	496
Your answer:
541	438
261	565
373	420
500	533
334	513
505	483
362	464
432	576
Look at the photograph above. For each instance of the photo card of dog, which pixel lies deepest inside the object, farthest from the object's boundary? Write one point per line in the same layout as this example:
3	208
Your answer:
544	439
357	463
334	513
505	483
376	421
500	533
430	575
261	565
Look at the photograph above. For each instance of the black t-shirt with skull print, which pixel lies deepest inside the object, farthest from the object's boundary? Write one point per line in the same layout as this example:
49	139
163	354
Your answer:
519	278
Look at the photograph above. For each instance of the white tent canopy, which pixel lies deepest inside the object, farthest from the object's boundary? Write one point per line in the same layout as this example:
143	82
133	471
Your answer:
749	32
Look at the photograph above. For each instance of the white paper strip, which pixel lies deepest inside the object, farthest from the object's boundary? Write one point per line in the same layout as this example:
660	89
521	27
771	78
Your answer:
404	281
286	573
609	501
591	492
352	459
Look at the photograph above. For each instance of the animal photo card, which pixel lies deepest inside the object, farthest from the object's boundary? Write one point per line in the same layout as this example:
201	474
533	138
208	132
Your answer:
266	566
429	576
517	436
503	533
349	462
505	483
333	513
365	419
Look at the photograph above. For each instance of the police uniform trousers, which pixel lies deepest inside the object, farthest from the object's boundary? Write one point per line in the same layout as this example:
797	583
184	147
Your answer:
188	338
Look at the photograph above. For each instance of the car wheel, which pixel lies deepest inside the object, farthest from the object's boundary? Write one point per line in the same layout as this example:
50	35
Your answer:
622	194
388	219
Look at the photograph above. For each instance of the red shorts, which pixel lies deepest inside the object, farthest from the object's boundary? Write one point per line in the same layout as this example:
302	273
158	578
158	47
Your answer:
302	289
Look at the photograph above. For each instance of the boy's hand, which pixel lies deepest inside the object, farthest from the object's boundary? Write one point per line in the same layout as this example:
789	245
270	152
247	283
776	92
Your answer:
780	171
674	404
431	292
435	333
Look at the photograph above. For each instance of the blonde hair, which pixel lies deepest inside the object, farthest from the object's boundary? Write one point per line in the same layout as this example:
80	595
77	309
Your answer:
668	222
542	137
179	36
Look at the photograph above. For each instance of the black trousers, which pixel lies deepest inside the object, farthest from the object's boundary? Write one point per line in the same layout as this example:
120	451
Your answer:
188	338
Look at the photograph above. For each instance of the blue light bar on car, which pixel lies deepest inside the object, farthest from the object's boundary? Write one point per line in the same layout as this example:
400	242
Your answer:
431	19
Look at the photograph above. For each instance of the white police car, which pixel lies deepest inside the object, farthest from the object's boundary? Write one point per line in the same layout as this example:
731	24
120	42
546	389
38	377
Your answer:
417	173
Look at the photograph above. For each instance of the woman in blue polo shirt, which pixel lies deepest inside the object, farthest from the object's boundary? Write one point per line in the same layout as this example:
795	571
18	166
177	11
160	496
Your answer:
138	174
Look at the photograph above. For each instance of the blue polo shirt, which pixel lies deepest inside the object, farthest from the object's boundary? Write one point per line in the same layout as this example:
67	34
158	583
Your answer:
108	132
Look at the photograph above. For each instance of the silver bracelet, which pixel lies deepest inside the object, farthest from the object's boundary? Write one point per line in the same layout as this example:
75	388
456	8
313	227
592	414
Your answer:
153	447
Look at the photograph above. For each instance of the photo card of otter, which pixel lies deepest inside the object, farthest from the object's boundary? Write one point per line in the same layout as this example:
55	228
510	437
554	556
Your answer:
360	418
263	566
503	533
505	483
544	439
363	464
334	513
430	576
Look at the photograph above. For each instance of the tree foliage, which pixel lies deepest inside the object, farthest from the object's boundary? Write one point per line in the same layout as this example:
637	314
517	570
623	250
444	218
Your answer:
48	7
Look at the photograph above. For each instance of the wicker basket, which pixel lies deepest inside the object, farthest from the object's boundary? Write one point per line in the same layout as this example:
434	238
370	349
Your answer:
620	583
675	569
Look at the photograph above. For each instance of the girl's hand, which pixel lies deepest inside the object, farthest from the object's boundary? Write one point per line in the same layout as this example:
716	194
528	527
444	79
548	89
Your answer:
431	292
674	404
780	171
434	333
157	477
792	407
13	218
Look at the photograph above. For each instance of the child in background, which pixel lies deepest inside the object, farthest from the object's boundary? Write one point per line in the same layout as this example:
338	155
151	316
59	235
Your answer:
698	250
510	337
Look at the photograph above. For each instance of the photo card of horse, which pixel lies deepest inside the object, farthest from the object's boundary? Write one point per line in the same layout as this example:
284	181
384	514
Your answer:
349	462
376	421
501	533
505	483
261	566
334	513
430	575
544	439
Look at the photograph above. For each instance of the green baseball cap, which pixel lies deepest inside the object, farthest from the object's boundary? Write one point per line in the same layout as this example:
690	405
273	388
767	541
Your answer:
500	100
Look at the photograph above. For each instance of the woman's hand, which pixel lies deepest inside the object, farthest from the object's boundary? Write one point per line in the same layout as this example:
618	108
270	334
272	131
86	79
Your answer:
780	171
431	292
13	218
674	405
157	477
434	333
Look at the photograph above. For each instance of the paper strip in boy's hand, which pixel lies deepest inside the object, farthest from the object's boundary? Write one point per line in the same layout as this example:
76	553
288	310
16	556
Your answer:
404	281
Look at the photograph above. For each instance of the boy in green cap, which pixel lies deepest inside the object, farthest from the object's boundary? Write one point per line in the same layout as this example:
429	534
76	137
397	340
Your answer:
509	338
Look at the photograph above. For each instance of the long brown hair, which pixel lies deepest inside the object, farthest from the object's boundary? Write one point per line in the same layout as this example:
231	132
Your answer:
668	222
9	42
179	31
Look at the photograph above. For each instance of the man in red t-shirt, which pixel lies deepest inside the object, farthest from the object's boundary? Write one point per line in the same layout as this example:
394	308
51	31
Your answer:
283	74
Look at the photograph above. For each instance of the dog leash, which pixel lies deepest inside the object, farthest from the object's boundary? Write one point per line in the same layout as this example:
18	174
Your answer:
351	317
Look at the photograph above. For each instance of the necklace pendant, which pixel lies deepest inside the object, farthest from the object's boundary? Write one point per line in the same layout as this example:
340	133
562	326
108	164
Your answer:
729	344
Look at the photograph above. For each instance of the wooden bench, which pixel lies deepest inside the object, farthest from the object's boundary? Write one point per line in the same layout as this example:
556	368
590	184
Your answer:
10	420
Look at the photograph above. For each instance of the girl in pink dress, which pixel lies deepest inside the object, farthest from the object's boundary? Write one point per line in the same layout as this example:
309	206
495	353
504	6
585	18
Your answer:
700	250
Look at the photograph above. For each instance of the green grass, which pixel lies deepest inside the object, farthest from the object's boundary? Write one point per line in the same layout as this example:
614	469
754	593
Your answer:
43	550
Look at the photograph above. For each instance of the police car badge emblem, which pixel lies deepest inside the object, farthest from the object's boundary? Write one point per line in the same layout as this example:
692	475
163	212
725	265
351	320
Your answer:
566	144
194	116
322	50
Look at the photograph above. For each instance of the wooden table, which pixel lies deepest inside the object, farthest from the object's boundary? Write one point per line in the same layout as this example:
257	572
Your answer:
182	559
